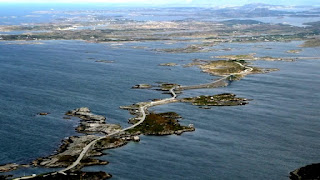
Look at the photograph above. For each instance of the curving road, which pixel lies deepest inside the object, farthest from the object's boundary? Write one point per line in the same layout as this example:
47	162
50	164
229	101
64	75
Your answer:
86	149
246	70
207	85
142	110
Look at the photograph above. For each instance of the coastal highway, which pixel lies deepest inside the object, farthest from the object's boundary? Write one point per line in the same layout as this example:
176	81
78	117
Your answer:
218	82
246	70
86	149
142	110
213	84
174	95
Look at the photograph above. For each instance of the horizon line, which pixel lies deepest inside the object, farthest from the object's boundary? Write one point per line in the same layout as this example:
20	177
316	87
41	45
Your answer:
141	4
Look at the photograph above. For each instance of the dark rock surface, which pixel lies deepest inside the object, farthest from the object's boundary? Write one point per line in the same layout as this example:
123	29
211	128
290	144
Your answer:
225	99
160	124
92	123
84	113
142	86
43	113
5	177
11	167
72	147
310	172
75	176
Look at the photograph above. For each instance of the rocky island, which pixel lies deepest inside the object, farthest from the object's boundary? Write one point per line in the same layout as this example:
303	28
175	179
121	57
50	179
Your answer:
141	86
168	64
97	135
225	99
160	124
311	171
82	149
235	69
72	147
312	43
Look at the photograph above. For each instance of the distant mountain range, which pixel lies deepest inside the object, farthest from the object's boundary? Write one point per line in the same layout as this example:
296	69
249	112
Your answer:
260	10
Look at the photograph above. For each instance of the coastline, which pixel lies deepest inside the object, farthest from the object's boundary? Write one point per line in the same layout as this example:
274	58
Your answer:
120	136
270	46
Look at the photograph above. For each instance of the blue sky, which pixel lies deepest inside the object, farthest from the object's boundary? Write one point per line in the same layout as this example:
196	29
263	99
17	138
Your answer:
180	2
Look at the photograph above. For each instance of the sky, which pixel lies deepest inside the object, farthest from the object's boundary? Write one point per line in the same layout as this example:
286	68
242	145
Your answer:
175	2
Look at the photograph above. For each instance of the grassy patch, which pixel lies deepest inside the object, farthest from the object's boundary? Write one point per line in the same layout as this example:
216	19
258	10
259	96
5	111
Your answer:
223	67
237	57
312	43
225	99
159	124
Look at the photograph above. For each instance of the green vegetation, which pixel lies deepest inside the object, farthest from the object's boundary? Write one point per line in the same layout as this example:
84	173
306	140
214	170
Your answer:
238	57
256	70
243	62
312	43
196	62
251	57
167	86
235	77
160	124
109	142
194	48
294	51
129	31
225	99
241	22
67	158
222	67
188	49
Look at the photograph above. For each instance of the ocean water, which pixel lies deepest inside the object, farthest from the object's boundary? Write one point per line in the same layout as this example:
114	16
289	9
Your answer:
273	135
276	133
266	139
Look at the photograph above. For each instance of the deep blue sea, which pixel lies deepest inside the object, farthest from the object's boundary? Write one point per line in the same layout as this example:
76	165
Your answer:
266	139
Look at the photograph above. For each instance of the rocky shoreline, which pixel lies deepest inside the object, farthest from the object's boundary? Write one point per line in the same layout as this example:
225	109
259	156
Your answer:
95	128
311	171
235	65
72	147
91	125
75	176
12	167
201	37
99	135
160	124
225	99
